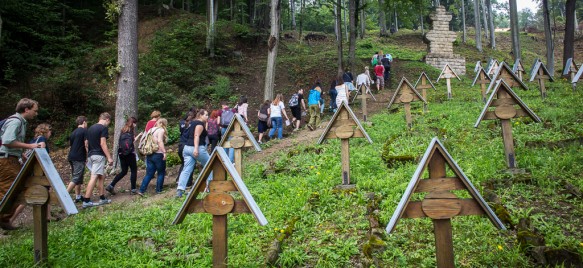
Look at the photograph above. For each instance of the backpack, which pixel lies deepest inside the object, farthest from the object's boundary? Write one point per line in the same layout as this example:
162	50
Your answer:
147	145
126	143
227	117
313	97
213	127
293	101
374	61
2	126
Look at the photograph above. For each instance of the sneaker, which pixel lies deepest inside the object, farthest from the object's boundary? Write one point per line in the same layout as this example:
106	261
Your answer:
88	204
179	193
104	201
109	188
260	142
8	226
133	191
78	200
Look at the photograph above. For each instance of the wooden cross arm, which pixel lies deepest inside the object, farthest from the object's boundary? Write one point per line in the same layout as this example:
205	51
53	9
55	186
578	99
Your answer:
490	115
197	207
468	207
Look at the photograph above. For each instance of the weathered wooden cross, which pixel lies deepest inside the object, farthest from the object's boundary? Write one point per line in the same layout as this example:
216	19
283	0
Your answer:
484	79
492	67
364	90
236	137
406	94
504	100
440	204
424	79
577	77
344	125
478	66
38	184
540	72
518	69
571	70
219	202
505	73
448	73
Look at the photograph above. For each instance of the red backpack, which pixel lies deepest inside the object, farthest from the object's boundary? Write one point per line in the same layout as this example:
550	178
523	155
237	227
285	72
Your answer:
213	127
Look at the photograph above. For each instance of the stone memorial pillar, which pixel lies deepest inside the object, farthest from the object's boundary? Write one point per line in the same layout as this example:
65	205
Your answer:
441	43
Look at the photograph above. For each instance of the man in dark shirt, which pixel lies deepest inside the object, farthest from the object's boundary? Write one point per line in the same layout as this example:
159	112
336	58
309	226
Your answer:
97	153
297	110
78	156
387	65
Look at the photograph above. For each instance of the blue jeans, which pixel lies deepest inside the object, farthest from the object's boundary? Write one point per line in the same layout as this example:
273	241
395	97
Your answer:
276	123
156	163
230	151
190	162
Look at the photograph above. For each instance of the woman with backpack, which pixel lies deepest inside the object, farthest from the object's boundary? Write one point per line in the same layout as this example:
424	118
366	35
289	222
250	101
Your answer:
127	156
342	92
156	162
212	126
276	109
262	117
195	149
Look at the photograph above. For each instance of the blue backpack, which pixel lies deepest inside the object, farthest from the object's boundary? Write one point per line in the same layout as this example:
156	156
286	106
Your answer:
313	97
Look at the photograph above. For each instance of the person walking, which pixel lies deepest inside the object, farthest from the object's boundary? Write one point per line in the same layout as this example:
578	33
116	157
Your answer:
194	150
13	133
78	156
155	115
99	157
276	110
184	124
342	91
386	61
42	133
364	79
296	103
262	117
333	94
127	156
314	105
214	135
242	107
379	72
156	162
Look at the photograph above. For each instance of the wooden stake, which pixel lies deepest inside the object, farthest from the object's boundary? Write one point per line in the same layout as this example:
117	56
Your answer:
449	95
220	251
408	114
541	83
345	161
424	92
483	86
442	227
574	85
363	96
39	213
508	143
238	158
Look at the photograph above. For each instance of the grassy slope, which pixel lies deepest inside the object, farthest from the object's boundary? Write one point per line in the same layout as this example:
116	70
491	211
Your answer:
331	228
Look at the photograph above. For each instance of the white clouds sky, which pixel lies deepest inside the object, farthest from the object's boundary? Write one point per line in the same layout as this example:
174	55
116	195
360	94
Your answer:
522	4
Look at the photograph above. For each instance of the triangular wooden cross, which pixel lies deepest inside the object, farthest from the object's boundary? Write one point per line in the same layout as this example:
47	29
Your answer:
484	79
540	72
38	184
440	204
571	70
492	67
518	69
504	100
238	136
424	79
219	202
447	73
478	66
344	125
505	73
406	94
577	76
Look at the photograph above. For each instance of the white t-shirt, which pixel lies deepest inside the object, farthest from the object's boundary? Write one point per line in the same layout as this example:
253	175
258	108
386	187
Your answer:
276	109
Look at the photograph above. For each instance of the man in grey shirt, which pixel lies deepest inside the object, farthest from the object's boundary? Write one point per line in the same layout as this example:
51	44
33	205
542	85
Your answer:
13	133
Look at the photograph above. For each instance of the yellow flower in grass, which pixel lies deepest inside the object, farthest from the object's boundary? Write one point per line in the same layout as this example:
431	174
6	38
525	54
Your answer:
581	244
318	173
312	167
500	247
282	231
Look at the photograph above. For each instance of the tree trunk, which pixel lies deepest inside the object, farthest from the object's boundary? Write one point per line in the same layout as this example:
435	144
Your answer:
576	22
491	23
127	80
211	23
514	29
302	4
568	44
548	38
464	21
272	45
339	41
477	25
336	24
0	29
344	19
362	22
382	20
396	19
485	19
232	8
292	4
352	39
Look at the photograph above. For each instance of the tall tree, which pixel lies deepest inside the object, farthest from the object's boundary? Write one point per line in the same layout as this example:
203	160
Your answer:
484	19
514	29
339	40
0	29
569	41
382	20
352	32
362	19
477	25
272	45
463	21
212	8
292	7
491	24
127	57
548	37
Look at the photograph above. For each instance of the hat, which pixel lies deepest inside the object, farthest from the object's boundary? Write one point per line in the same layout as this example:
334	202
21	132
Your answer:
388	56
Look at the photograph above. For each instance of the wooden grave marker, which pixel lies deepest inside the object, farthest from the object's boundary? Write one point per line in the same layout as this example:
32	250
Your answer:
364	91
478	66
424	79
484	79
219	202
492	67
505	73
504	100
571	70
406	94
518	69
448	73
577	77
440	204
540	72
38	184
344	125
238	136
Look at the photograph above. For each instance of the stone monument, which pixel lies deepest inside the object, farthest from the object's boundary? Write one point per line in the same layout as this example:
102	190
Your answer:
441	43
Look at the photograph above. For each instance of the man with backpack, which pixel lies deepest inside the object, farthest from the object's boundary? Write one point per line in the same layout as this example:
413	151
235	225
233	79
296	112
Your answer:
314	106
13	132
294	103
386	61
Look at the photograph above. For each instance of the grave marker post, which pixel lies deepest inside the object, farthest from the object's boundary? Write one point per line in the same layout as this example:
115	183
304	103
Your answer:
541	73
448	73
406	94
425	84
238	136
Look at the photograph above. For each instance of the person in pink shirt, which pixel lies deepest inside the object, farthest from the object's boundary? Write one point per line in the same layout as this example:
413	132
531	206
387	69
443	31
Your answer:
379	71
152	123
